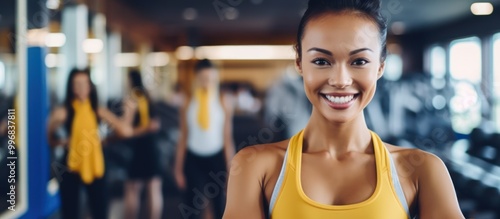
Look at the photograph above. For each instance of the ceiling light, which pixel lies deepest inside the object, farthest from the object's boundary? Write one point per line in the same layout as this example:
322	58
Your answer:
157	59
130	59
481	8
52	4
246	52
36	37
92	45
184	53
55	39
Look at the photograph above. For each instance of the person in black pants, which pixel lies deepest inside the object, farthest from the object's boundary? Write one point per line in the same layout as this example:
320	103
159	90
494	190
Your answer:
205	145
83	163
145	167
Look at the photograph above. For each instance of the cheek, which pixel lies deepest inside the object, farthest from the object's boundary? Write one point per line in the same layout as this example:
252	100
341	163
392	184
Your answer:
81	89
313	80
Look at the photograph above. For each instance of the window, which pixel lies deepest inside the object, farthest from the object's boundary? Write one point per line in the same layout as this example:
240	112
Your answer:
465	59
2	75
465	69
496	64
496	78
437	62
393	67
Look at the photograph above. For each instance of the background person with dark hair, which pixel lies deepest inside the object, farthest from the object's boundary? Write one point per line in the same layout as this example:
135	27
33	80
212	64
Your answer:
80	116
145	167
205	145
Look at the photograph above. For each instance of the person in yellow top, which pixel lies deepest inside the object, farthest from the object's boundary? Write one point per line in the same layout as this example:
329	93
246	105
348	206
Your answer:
336	167
84	161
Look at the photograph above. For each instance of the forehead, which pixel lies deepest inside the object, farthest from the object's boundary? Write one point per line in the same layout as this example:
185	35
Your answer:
207	71
345	30
80	77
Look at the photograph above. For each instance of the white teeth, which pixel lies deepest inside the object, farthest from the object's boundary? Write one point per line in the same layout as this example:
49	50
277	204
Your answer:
340	100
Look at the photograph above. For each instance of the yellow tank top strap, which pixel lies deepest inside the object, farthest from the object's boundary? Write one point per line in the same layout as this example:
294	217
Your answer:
289	200
295	149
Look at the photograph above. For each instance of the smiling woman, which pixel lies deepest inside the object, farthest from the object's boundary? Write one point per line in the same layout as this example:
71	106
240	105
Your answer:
336	167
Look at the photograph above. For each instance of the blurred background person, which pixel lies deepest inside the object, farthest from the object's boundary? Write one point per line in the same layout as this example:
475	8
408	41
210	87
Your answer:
205	147
80	117
144	170
286	105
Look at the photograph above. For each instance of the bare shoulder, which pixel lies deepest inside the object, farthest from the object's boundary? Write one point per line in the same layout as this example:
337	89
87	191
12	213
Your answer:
261	160
415	161
261	153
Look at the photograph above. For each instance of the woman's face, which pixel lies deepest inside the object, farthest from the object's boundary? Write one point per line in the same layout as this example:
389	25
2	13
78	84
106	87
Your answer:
340	64
81	86
207	77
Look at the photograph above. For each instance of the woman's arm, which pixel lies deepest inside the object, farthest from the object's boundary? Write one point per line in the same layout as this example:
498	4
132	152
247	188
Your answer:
245	187
436	194
229	150
56	119
181	148
122	125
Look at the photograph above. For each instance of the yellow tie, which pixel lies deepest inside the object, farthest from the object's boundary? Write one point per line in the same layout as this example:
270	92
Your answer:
203	97
85	151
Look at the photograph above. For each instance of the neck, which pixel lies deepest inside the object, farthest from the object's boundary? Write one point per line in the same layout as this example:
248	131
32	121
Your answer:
81	99
321	135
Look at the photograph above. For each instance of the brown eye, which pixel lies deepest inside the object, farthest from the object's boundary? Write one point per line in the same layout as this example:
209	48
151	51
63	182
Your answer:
359	62
320	62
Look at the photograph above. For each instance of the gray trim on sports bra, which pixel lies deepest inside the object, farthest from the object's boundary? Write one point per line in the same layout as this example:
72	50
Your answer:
394	176
279	183
397	184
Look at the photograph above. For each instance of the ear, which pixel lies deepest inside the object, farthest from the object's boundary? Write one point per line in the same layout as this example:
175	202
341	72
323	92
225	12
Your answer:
381	69
298	65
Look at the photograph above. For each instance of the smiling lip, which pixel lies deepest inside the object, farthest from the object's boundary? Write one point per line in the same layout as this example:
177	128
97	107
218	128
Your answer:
339	101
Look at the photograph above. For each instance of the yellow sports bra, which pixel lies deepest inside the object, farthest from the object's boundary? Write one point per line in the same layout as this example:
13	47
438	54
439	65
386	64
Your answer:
288	200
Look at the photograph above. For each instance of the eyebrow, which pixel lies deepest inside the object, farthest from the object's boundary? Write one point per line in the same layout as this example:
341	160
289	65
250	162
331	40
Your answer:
359	50
324	51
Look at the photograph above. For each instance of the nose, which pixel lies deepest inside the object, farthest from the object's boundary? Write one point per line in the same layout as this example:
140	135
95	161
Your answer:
340	77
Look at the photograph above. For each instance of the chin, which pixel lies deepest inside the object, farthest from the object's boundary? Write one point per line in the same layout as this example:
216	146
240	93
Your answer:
339	118
336	116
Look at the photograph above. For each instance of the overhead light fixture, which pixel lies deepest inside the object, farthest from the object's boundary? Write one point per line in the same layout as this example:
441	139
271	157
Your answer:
55	39
92	45
52	4
481	8
246	52
184	53
156	59
130	59
36	37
